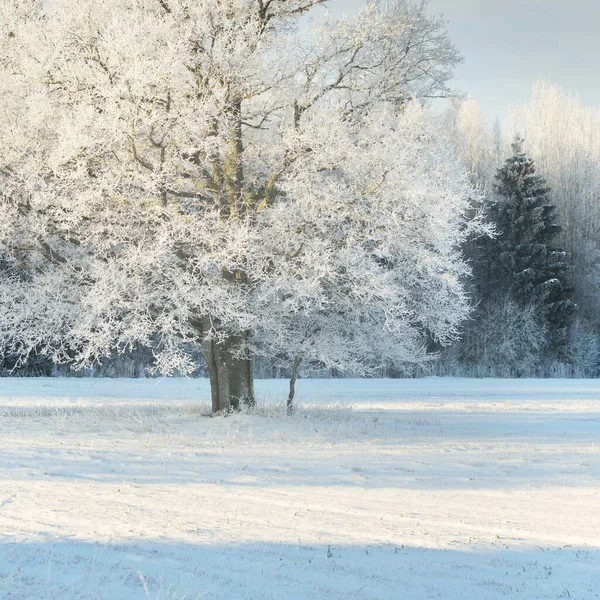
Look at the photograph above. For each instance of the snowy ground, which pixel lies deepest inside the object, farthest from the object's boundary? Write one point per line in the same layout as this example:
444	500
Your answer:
405	489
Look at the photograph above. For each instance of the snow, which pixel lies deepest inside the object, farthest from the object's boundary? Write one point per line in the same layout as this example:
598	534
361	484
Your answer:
375	489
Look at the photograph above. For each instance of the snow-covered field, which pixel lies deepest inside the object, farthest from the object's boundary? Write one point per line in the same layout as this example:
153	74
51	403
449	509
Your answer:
381	489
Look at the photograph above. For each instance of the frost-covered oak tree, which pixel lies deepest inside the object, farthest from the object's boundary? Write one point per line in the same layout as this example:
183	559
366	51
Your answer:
177	171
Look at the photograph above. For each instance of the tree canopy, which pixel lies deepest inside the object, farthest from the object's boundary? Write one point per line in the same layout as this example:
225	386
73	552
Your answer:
179	171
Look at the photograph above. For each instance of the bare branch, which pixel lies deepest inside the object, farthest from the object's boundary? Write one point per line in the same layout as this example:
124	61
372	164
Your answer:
165	6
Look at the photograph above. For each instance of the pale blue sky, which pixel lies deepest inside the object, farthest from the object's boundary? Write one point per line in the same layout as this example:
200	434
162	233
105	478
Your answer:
508	44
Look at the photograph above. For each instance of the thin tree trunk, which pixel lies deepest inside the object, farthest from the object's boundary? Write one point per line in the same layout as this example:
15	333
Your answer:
290	401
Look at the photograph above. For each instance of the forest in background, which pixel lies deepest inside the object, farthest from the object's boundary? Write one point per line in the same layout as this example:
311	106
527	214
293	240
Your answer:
508	335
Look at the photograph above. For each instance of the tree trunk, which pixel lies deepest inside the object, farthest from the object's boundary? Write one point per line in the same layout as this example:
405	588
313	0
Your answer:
290	401
231	377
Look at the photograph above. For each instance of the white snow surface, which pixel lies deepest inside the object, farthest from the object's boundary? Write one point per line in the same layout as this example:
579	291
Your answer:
374	489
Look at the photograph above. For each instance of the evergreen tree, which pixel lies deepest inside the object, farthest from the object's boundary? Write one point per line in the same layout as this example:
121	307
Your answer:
522	261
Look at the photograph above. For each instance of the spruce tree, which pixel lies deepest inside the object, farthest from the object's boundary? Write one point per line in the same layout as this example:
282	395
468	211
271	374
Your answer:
523	261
